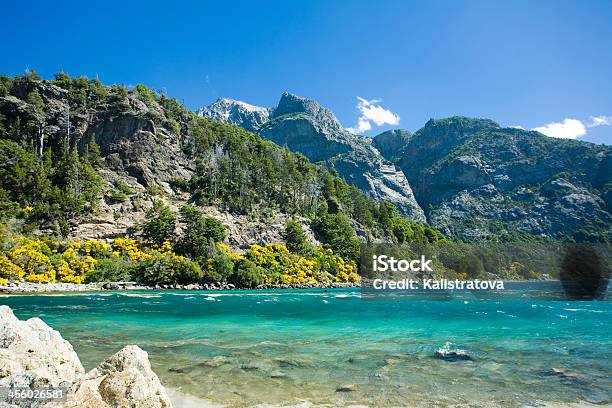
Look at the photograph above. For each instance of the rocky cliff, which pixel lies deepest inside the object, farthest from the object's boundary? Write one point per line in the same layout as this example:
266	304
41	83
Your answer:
82	160
476	180
306	127
144	152
34	356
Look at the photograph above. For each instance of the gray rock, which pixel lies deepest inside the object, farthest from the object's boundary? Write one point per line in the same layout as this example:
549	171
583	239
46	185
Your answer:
453	355
476	180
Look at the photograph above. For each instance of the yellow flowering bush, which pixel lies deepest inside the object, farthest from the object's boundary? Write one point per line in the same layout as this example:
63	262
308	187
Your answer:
92	248
283	267
341	269
129	248
33	256
46	260
9	270
73	267
39	260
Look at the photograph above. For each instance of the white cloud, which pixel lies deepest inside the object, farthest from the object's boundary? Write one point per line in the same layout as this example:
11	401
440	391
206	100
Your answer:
600	121
568	129
517	127
371	112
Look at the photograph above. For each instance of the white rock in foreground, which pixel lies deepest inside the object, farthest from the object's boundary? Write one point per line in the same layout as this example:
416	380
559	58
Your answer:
123	380
33	355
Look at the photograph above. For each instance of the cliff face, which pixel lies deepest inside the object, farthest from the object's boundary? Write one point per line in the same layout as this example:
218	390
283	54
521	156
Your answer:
144	150
306	127
477	180
135	151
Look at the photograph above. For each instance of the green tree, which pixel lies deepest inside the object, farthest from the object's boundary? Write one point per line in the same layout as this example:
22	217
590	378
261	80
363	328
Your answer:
221	263
62	80
6	84
295	238
336	232
199	231
247	274
160	224
166	270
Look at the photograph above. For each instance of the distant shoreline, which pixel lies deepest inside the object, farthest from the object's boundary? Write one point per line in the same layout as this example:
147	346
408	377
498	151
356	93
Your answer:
26	288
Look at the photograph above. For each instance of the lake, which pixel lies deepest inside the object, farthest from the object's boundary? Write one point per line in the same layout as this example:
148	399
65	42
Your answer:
332	348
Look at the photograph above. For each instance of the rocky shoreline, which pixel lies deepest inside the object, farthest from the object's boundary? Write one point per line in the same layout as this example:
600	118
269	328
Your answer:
22	287
38	368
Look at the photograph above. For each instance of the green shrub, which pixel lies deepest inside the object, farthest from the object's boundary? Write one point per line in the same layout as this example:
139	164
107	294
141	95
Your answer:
247	274
199	231
123	187
110	270
167	269
295	238
160	224
117	196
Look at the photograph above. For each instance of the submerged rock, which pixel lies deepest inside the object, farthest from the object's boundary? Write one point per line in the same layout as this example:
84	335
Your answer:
216	361
347	388
568	376
447	353
278	374
453	355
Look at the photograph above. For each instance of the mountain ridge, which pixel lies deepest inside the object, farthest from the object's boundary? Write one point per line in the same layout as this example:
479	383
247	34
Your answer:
470	177
500	180
308	128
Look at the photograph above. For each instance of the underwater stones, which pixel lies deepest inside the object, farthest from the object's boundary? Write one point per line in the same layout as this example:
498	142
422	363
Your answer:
216	361
568	376
249	367
292	363
278	374
347	388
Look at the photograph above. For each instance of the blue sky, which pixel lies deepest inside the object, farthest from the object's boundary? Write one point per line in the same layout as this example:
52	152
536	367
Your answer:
520	63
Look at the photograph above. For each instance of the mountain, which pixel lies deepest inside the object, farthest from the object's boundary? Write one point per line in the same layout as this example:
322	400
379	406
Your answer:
306	127
477	180
82	160
237	113
391	141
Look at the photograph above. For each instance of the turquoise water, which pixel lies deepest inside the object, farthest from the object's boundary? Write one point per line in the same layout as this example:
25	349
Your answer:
278	347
